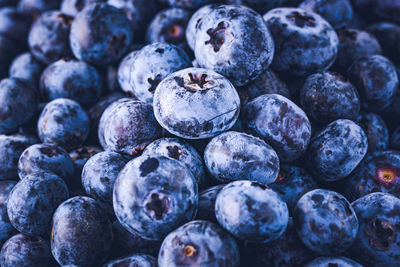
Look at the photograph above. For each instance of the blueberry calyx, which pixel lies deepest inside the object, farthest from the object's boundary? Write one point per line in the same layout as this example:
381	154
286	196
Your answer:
218	35
189	251
301	20
158	205
154	82
381	234
174	152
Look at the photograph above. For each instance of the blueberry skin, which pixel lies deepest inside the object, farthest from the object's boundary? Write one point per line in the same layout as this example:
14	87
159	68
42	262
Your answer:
25	66
71	79
395	139
333	261
327	96
376	79
100	34
129	127
178	149
280	122
199	243
32	202
251	211
233	156
261	6
388	35
305	42
63	122
36	7
141	260
8	50
73	7
336	150
151	65
26	251
196	103
292	183
48	37
154	195
11	148
14	24
206	210
81	233
235	42
377	242
124	72
19	102
376	130
47	158
325	221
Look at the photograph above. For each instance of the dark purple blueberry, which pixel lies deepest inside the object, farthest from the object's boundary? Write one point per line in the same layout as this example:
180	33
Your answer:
73	7
46	158
15	24
376	80
336	150
63	122
385	9
124	72
325	222
305	43
261	6
100	34
333	261
154	195
26	251
395	139
129	127
199	243
18	99
206	210
251	211
327	96
36	7
140	260
5	188
235	42
196	103
8	50
25	66
48	37
81	233
388	35
71	79
378	239
376	130
151	65
235	156
280	122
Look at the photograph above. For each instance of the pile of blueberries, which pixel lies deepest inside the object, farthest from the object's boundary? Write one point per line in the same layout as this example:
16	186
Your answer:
215	133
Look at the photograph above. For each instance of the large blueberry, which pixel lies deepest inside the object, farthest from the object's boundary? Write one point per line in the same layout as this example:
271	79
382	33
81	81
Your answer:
140	260
376	130
206	210
333	261
25	66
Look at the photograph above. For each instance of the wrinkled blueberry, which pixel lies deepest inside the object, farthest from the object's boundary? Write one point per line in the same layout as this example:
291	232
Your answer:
206	210
333	261
25	66
376	130
140	260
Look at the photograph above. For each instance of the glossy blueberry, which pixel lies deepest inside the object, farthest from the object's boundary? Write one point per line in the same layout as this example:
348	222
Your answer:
196	103
64	123
336	150
8	50
388	35
280	122
79	157
325	221
261	6
81	233
26	251
235	42
36	7
333	261
151	65
71	79
46	158
48	37
154	195
73	7
19	102
395	139
178	149
377	242
305	43
14	24
129	127
206	210
124	72
376	130
199	243
25	66
251	211
385	9
100	34
140	260
327	96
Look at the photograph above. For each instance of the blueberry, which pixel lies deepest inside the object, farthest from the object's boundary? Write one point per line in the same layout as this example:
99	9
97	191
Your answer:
235	156
26	251
325	221
280	122
377	242
305	42
124	72
6	232
36	7
327	96
395	139
81	233
141	260
19	102
129	127
206	210
251	211
235	42
154	195
48	37
46	158
196	103
71	79
73	7
14	24
8	50
151	65
25	66
261	6
388	35
376	130
199	243
336	150
100	34
333	261
178	149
